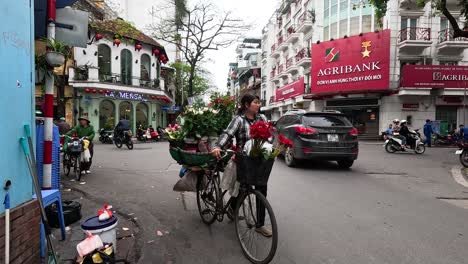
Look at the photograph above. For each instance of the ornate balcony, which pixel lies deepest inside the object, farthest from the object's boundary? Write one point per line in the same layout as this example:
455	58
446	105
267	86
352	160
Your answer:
274	75
282	73
414	40
291	66
292	36
303	58
305	23
450	46
274	51
282	45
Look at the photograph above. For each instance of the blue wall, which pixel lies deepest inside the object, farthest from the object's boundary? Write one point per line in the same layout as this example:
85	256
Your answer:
17	95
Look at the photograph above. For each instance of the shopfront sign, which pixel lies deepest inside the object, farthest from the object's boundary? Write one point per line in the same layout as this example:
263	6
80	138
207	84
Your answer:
410	107
291	90
434	76
357	63
126	96
173	108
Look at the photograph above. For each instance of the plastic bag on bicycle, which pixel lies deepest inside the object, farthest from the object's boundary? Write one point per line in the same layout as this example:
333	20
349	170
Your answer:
229	181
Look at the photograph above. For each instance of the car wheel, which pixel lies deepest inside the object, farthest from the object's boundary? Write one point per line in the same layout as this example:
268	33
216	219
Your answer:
289	157
345	164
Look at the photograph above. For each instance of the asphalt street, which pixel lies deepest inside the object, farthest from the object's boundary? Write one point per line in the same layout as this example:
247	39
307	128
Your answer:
386	209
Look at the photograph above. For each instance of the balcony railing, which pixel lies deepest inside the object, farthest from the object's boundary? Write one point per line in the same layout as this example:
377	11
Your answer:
280	40
273	48
272	74
303	53
280	69
447	35
289	62
304	18
415	33
291	30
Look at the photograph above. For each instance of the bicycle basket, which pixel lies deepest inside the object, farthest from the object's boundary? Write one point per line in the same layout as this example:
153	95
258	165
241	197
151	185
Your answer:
190	158
75	147
253	171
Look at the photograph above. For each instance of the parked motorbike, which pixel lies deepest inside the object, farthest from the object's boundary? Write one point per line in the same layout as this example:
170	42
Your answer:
463	152
141	134
105	136
449	140
124	138
154	135
395	143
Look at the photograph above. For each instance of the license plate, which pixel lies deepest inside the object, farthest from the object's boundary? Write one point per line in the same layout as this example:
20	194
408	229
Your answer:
75	143
333	137
458	152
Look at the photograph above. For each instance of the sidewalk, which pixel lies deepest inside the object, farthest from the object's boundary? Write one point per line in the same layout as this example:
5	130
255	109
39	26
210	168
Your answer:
127	249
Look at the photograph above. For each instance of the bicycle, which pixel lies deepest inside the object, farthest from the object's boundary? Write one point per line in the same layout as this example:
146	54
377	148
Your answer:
72	157
210	201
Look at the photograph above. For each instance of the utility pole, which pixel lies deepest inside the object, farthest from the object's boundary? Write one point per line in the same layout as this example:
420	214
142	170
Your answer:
49	102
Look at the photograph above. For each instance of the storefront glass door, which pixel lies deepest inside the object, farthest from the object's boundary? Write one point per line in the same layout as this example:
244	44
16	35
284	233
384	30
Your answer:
449	115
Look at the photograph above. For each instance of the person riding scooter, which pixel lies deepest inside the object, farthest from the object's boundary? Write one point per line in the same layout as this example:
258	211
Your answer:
122	126
404	131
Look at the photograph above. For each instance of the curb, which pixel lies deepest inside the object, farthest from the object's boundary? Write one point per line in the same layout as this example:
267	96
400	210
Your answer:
458	176
138	245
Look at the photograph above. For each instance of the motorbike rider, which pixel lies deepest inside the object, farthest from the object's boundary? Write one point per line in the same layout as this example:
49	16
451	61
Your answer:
85	130
404	131
396	125
122	126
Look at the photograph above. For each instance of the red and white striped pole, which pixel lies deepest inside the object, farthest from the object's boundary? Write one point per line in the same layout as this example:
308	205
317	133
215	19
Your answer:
49	103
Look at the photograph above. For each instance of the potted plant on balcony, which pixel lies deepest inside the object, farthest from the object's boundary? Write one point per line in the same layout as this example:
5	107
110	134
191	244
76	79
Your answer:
56	51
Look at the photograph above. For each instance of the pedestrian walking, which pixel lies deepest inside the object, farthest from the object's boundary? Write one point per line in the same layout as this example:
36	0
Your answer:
428	133
63	126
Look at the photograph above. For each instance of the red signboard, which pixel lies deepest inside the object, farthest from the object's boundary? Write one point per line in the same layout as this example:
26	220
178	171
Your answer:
357	63
434	76
291	90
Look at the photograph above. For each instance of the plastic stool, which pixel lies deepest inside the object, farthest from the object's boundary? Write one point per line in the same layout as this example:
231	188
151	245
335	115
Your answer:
49	197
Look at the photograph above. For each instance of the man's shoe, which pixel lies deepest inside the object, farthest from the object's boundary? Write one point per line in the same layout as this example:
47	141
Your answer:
88	172
83	172
265	231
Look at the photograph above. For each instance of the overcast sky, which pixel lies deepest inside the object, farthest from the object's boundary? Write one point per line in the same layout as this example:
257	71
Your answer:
256	11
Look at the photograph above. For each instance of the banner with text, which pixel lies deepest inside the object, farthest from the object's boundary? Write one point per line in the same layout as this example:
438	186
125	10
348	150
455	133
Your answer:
357	63
434	76
291	90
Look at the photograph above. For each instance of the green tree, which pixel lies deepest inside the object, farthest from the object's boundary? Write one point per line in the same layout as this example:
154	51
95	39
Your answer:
200	82
440	5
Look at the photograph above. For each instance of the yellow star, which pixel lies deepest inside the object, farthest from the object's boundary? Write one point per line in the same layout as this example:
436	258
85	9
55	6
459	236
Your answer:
366	53
366	44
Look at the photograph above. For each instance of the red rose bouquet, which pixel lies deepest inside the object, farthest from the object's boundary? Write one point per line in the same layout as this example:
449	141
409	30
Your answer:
260	134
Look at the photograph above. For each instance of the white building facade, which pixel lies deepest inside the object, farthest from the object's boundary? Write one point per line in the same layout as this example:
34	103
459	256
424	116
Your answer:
417	37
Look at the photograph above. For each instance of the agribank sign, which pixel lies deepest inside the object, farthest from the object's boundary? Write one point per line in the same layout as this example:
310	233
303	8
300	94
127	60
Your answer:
434	76
358	63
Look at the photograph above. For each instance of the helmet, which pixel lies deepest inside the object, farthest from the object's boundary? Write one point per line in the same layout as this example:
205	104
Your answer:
396	120
403	122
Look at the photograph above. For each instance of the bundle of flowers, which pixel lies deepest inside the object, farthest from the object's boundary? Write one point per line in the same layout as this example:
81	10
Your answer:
259	145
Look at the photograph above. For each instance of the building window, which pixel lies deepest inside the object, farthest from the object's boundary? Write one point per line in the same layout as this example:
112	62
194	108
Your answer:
126	111
104	63
343	5
106	115
366	24
333	30
145	69
126	66
142	115
334	7
326	34
354	26
343	28
327	8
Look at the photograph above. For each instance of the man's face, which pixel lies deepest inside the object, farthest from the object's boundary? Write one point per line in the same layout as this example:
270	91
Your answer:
83	122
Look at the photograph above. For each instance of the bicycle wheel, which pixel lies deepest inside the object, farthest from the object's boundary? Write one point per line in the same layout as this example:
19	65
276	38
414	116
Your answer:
258	248
66	164
77	168
129	144
207	198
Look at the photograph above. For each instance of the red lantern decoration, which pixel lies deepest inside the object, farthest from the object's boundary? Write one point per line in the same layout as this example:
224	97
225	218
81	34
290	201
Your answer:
162	57
156	52
138	47
101	91
98	36
87	90
116	42
94	90
107	92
